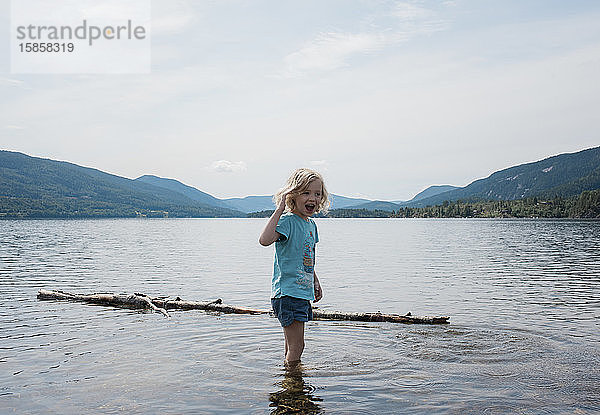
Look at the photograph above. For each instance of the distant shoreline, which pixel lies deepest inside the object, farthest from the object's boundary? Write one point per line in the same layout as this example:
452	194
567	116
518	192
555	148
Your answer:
584	206
91	218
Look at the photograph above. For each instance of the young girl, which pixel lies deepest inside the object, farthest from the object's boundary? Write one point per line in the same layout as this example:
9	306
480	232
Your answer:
295	282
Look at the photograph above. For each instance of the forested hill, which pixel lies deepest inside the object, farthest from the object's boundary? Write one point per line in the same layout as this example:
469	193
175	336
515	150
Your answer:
189	191
564	175
32	187
35	187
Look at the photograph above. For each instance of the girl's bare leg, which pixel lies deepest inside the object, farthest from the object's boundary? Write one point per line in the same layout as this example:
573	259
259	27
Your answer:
294	341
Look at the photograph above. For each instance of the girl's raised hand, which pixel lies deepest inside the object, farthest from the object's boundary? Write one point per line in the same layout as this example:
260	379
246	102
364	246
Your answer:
284	197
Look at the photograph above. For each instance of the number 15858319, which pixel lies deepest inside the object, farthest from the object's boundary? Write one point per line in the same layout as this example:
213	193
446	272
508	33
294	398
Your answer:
34	47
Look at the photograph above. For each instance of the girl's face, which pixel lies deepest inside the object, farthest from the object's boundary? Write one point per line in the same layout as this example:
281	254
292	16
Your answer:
308	200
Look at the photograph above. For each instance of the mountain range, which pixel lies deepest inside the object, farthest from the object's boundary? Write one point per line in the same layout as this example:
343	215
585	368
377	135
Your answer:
564	175
37	187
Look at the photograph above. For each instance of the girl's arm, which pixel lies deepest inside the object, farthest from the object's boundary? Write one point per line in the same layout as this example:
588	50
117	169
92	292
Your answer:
269	234
318	289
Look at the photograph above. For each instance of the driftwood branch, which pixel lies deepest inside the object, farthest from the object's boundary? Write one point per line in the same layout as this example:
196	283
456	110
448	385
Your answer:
139	301
162	304
390	318
142	301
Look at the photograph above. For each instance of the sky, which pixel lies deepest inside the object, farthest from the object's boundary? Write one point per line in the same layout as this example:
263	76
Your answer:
384	98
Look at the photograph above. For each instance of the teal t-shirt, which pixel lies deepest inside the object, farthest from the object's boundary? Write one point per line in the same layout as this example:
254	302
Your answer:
294	265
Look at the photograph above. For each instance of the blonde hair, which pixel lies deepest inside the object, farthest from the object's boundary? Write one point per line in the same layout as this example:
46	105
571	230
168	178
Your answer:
296	184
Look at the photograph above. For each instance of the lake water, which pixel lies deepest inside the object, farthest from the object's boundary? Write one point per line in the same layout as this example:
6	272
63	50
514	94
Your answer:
523	298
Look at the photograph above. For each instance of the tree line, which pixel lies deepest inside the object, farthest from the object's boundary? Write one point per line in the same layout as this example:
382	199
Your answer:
586	205
74	208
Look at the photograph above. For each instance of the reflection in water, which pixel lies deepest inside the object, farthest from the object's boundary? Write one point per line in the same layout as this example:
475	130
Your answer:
296	395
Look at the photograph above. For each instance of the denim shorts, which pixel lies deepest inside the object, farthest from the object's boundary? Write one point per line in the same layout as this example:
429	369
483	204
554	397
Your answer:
287	309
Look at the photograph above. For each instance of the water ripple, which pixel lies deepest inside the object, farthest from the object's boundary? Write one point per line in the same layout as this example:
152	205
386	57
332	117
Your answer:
522	297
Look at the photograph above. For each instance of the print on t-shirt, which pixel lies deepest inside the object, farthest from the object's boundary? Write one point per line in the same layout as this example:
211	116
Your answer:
305	278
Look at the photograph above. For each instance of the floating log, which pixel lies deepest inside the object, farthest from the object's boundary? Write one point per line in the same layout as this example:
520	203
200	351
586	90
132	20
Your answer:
162	304
117	300
142	301
390	318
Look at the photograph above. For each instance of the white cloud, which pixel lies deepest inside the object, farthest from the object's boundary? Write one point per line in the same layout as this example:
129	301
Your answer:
450	3
11	82
172	17
409	11
356	195
399	110
226	166
173	23
329	51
